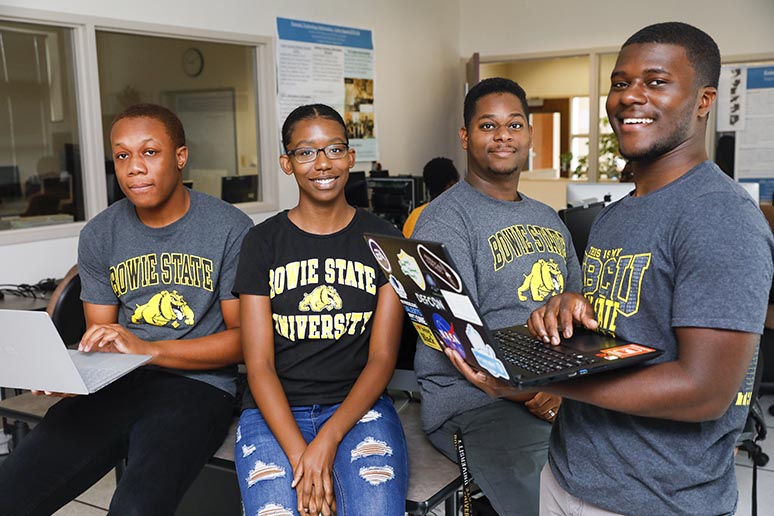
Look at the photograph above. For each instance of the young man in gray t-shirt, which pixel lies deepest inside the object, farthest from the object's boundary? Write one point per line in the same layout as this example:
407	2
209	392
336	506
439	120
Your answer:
157	270
513	253
683	264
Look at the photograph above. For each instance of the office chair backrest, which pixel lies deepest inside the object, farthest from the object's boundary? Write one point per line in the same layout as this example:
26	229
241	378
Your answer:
578	220
66	309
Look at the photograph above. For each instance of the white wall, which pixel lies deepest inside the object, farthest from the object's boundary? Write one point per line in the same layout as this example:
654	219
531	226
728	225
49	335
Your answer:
418	82
419	49
513	27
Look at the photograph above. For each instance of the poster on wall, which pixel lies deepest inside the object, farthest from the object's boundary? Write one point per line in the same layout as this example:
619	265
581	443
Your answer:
746	108
329	64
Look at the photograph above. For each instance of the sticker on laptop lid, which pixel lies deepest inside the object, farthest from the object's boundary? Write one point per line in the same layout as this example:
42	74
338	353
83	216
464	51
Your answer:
461	307
485	355
432	284
448	335
398	286
624	351
410	267
413	312
432	302
440	268
379	255
426	335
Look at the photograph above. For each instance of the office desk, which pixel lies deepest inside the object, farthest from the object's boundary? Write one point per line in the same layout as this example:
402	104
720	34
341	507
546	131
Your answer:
14	302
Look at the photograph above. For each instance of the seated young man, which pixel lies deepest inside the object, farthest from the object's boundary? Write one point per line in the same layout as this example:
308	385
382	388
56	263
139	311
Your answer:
506	441
156	270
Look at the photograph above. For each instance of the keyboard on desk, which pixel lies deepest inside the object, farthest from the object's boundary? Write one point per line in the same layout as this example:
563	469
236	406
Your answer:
534	356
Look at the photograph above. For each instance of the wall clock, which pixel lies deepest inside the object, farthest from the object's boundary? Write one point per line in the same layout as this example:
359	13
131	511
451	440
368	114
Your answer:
193	62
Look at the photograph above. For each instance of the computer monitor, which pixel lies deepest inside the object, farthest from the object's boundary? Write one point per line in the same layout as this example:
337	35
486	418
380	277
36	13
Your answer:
753	188
581	192
356	190
9	181
236	189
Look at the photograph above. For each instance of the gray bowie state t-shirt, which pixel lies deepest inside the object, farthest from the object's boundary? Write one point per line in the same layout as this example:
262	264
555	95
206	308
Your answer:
504	251
168	281
695	253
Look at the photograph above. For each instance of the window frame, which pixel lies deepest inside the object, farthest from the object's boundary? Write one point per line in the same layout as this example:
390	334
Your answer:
594	57
88	108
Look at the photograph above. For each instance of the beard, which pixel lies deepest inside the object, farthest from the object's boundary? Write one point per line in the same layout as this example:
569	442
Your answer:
665	143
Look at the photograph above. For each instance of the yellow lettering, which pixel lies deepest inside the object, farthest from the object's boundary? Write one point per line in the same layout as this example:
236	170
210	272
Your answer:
314	327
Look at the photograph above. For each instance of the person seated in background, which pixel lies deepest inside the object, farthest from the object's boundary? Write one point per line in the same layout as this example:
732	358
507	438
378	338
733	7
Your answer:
162	245
506	440
439	175
320	332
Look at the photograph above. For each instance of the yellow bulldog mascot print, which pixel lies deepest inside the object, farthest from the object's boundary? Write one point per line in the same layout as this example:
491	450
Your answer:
165	309
544	280
321	298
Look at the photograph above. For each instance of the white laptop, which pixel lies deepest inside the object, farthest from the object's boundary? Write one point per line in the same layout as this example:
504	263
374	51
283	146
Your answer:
33	356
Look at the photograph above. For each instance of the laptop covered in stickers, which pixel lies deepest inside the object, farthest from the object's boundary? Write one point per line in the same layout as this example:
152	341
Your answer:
433	295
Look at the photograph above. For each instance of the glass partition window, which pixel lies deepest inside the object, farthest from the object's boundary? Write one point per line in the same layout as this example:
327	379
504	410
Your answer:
551	85
40	167
560	86
210	86
610	162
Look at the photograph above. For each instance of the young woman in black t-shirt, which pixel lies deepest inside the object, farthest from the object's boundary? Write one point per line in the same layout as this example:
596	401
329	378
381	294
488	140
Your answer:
320	331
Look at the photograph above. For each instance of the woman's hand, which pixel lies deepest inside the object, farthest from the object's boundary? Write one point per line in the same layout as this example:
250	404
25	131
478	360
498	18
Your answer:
313	477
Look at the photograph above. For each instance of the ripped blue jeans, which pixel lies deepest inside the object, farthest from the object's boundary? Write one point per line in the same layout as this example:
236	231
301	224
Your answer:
370	471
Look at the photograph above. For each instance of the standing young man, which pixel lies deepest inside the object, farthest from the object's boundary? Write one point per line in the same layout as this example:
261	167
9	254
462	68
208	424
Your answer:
157	270
683	264
498	239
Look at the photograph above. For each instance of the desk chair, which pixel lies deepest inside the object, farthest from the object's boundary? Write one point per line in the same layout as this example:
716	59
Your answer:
578	220
754	431
66	309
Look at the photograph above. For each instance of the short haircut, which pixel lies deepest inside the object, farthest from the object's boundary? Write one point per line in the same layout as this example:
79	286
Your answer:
438	173
308	112
171	122
487	87
700	49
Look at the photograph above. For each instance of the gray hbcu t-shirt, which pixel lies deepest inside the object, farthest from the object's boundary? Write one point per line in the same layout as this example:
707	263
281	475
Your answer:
168	281
696	253
505	251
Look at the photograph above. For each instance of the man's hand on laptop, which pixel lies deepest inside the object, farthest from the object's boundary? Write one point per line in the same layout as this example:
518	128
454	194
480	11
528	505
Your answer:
560	314
486	382
113	338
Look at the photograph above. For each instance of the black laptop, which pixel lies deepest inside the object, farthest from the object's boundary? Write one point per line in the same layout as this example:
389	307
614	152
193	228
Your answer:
423	275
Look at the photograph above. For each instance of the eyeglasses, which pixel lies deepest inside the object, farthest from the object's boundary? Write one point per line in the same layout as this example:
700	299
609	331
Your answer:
309	154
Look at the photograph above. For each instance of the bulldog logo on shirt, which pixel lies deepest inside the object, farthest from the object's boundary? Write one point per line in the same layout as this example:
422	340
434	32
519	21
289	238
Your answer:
544	280
324	297
165	309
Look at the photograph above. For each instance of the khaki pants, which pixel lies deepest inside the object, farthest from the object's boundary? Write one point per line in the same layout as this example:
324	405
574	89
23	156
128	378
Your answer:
555	501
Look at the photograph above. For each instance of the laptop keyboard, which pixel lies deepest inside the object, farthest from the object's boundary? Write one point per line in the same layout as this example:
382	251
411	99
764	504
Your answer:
531	354
96	376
